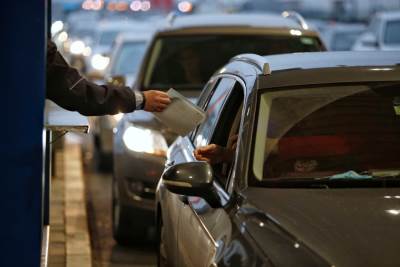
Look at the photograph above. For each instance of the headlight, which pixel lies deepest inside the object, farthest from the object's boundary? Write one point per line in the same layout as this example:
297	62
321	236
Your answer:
56	27
77	47
145	140
100	62
118	117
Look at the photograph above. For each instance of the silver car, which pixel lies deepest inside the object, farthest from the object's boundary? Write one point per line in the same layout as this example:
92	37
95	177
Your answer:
184	55
127	54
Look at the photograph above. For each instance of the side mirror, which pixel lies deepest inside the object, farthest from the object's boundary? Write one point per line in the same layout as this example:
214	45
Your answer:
192	179
369	39
118	80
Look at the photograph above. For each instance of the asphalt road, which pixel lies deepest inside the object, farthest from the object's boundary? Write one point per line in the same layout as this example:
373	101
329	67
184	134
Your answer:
105	250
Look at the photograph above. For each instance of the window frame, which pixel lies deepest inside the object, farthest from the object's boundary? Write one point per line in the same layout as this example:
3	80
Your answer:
227	188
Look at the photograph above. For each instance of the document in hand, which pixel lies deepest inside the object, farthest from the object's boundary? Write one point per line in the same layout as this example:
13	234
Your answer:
181	116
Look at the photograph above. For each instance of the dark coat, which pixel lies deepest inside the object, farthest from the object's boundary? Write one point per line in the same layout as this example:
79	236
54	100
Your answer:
67	88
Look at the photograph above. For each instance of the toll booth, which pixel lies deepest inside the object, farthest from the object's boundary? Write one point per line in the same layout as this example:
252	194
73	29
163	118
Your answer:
57	123
24	158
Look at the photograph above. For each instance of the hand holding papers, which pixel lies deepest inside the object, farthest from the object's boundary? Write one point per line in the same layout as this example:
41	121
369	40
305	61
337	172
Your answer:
181	116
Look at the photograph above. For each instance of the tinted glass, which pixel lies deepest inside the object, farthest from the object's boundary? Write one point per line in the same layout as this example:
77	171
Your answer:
343	41
189	61
313	133
107	37
213	110
129	58
392	33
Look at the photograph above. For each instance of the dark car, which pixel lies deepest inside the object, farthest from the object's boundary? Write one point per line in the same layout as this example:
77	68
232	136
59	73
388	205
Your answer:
315	176
184	55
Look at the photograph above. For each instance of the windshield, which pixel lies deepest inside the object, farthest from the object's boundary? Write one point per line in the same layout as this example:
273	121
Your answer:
189	61
129	58
392	33
107	37
345	131
343	41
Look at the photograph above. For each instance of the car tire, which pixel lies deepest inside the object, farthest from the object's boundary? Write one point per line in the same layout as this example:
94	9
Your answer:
124	231
161	253
103	161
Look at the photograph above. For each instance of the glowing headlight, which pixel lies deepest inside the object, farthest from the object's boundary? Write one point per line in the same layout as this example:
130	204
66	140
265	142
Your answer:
56	27
77	47
100	62
62	37
144	140
118	117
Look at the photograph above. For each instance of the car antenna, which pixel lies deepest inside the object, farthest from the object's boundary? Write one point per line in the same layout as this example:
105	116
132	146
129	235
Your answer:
171	18
297	17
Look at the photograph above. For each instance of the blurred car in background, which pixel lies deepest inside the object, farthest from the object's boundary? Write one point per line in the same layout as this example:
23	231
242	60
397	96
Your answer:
183	56
383	33
125	58
106	33
341	36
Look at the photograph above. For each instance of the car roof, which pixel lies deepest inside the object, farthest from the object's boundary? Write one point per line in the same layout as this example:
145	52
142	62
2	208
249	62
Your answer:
133	36
323	67
344	27
389	15
231	20
121	25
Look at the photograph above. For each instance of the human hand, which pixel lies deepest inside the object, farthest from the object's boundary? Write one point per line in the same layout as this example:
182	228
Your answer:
155	101
213	154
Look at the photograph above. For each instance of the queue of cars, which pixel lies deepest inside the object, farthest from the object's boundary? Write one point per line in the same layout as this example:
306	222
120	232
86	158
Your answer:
314	177
383	33
183	55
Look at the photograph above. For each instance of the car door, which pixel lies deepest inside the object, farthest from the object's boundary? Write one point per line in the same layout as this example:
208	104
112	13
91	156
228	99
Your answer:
203	231
172	203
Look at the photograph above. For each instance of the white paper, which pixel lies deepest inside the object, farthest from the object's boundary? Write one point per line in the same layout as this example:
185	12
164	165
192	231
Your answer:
181	116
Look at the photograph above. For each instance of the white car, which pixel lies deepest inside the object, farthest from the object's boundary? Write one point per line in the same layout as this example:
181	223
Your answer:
342	36
106	33
383	33
184	55
125	59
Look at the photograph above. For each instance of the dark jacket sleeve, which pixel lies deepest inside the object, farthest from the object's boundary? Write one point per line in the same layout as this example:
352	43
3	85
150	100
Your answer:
67	88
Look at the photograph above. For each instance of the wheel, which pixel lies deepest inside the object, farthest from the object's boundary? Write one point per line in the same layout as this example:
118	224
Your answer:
103	161
161	252
123	226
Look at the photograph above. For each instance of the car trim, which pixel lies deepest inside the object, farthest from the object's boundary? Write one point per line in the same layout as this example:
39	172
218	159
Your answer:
203	226
177	183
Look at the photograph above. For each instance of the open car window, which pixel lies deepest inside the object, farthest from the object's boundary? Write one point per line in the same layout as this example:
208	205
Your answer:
319	132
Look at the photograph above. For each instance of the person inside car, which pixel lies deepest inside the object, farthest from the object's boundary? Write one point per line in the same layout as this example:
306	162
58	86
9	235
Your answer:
215	154
67	88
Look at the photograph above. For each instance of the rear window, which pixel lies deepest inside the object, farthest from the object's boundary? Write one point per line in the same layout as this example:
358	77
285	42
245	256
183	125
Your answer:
189	61
392	33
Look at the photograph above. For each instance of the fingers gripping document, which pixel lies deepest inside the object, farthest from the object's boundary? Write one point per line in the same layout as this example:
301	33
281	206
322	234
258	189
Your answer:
181	116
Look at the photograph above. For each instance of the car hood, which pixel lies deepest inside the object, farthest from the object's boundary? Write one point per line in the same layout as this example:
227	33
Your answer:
346	227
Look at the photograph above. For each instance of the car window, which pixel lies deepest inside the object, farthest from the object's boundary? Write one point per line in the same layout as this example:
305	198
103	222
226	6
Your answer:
226	131
392	33
344	41
203	100
318	132
213	109
108	37
129	58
